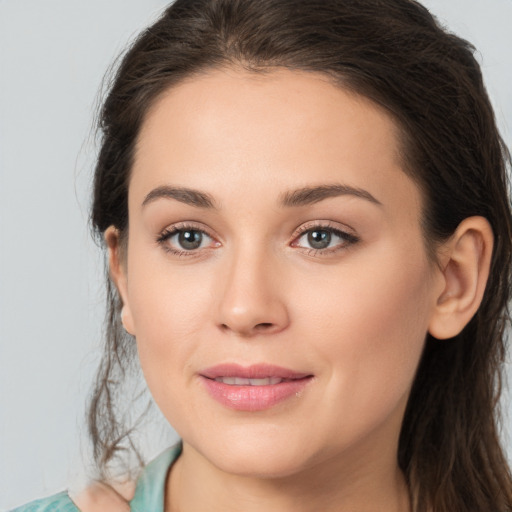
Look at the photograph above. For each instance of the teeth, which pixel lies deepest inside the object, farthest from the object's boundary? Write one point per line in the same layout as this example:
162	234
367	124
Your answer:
226	380
240	381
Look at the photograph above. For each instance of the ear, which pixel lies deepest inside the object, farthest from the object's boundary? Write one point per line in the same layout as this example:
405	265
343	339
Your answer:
118	274
465	261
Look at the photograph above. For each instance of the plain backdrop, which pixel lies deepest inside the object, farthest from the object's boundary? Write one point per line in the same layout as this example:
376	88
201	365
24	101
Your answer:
53	54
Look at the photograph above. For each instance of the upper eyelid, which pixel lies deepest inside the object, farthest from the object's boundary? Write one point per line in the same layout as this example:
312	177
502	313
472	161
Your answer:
190	225
348	237
304	228
170	231
326	224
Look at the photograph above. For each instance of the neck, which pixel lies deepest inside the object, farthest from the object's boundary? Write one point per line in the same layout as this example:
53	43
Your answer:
354	484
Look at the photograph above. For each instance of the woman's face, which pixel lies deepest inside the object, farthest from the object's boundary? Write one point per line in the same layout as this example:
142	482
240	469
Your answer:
276	277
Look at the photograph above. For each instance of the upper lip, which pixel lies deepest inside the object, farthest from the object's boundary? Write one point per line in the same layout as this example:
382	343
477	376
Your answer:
256	371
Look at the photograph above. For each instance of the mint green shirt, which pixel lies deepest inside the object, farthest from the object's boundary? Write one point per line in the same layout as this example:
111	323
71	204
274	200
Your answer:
149	493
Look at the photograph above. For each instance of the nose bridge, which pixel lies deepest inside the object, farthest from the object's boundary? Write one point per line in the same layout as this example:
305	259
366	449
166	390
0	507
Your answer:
250	300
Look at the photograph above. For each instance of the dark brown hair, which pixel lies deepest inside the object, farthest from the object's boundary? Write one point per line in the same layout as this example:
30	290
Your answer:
395	53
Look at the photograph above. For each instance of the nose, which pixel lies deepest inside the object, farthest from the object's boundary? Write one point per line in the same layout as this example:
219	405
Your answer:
252	296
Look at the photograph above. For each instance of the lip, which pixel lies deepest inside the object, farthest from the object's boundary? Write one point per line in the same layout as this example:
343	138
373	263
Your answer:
253	397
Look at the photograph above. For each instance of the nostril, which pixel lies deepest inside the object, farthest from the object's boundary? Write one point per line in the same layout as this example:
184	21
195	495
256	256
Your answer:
264	325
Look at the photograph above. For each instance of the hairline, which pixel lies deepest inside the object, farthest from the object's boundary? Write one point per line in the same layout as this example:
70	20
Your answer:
404	139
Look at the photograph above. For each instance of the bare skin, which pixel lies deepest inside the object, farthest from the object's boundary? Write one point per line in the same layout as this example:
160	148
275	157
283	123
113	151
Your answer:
99	497
258	288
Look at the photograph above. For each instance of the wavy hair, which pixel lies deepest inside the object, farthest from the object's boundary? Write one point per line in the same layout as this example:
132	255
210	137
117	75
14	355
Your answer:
396	54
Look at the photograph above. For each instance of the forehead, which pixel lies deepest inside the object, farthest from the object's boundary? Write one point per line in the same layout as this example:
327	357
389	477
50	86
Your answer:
257	132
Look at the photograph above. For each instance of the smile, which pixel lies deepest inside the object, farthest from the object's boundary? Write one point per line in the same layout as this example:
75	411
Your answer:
253	388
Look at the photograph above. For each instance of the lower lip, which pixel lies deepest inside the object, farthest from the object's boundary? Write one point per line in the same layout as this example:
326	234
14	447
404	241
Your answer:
254	398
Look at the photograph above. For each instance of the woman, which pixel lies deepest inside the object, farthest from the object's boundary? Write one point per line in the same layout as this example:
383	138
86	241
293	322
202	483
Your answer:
305	210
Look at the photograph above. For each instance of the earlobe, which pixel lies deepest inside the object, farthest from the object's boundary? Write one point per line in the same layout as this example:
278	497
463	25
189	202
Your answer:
127	324
117	270
465	267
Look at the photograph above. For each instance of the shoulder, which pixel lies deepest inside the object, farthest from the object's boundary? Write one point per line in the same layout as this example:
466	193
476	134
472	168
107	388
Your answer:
146	494
57	503
98	497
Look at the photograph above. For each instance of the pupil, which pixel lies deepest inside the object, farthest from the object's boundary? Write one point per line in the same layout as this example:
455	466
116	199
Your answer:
319	239
190	239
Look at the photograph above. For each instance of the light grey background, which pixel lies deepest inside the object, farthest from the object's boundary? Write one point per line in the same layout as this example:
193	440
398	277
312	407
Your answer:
53	55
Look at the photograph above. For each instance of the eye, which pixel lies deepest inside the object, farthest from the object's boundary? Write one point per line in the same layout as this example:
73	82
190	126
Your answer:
184	240
325	239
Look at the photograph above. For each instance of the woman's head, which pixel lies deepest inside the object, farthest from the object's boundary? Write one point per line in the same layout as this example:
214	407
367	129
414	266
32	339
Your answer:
280	242
422	89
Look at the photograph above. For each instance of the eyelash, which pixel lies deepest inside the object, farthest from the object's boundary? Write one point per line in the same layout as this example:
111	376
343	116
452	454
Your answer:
348	239
168	233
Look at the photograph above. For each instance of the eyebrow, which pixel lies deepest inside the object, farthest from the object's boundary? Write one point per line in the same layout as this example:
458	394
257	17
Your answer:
181	194
310	195
295	198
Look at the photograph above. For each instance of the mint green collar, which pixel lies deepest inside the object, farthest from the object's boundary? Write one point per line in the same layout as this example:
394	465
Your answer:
150	491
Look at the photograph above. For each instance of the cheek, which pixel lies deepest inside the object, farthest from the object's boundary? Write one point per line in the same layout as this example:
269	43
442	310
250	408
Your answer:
169	311
381	297
361	325
374	327
168	300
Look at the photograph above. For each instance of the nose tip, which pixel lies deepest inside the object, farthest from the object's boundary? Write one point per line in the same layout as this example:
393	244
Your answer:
252	303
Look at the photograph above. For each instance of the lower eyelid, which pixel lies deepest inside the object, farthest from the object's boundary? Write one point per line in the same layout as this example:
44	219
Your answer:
347	239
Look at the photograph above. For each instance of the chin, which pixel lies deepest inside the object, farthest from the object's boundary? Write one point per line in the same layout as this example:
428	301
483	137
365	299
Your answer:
262	464
263	456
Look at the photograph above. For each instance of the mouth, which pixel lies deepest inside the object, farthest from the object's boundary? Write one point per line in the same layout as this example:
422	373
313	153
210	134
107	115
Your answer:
253	388
241	381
